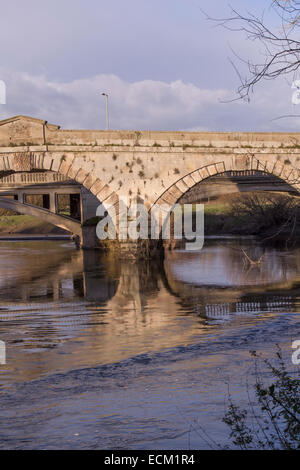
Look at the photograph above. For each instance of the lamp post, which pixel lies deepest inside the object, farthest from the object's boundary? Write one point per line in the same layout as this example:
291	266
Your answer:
107	114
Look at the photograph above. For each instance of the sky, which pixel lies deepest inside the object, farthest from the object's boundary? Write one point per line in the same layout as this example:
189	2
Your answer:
163	64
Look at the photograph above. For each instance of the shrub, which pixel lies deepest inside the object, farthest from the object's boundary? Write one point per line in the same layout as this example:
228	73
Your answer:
276	423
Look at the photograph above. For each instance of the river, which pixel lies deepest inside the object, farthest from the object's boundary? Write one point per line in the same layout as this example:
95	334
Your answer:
108	354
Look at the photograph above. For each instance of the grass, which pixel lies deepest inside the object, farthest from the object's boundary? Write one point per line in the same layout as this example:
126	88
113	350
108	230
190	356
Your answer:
26	224
217	208
271	217
17	220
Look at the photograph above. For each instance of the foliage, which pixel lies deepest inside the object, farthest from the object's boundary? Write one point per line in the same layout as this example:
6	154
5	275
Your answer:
270	216
91	222
268	212
275	415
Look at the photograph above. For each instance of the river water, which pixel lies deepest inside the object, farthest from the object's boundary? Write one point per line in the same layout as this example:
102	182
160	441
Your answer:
104	354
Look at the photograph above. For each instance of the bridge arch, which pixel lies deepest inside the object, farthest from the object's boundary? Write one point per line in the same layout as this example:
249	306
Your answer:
66	165
285	172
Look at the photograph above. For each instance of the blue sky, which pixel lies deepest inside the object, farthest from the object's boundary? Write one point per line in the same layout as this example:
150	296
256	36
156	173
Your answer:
163	64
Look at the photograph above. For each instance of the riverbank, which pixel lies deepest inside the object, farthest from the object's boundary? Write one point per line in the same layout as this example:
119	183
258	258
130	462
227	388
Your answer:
27	237
26	225
270	218
219	219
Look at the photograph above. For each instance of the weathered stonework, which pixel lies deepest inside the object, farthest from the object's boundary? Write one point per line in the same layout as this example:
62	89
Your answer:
149	167
23	161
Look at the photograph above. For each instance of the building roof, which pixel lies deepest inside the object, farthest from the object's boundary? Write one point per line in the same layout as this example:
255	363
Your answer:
27	118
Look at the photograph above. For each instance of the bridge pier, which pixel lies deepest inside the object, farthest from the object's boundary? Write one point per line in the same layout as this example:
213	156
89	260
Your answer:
124	249
140	249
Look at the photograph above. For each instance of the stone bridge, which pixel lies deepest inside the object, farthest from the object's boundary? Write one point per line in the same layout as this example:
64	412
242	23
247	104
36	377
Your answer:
148	167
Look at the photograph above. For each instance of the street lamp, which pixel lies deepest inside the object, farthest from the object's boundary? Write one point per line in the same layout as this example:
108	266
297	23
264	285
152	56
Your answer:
107	115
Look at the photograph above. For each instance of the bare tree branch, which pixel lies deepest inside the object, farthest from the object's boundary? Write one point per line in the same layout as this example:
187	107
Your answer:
281	45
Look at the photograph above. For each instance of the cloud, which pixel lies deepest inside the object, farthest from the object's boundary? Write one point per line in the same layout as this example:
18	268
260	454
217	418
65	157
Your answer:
137	39
145	104
163	65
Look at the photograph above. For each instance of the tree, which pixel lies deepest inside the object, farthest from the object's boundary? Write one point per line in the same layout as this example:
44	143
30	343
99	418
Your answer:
269	215
281	45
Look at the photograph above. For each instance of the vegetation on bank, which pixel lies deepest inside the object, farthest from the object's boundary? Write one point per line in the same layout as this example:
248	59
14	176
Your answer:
26	224
266	215
272	419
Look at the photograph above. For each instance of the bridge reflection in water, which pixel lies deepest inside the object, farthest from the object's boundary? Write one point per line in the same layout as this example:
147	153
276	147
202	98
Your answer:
224	311
62	309
219	284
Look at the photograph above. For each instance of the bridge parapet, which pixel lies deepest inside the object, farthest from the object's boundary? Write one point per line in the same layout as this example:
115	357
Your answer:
33	178
25	131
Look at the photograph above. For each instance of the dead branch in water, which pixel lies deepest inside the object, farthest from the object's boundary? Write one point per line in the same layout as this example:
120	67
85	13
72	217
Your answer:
251	261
